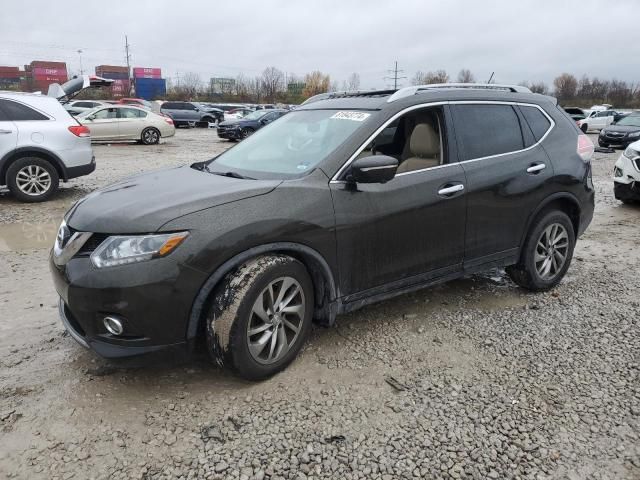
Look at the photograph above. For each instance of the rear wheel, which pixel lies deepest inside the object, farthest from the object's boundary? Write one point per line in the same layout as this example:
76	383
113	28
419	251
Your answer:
32	179
150	136
261	316
547	253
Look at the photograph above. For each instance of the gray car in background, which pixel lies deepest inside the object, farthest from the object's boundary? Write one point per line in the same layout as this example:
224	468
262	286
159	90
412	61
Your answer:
187	113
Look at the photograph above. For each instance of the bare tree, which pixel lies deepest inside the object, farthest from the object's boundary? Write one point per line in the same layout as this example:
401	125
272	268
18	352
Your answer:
272	83
418	78
353	83
438	76
539	87
315	83
619	93
190	85
465	76
566	86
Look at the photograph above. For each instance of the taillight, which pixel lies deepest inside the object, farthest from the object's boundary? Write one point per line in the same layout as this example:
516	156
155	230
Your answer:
585	147
80	131
169	120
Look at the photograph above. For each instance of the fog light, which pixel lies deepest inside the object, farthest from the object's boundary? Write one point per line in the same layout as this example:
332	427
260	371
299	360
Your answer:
617	172
113	325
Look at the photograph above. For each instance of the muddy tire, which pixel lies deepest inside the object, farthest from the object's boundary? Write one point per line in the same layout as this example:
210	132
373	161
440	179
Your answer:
32	179
547	253
260	316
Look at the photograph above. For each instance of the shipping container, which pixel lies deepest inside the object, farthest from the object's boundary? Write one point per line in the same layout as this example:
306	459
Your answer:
140	72
9	69
113	75
13	74
150	88
50	78
39	72
43	64
111	68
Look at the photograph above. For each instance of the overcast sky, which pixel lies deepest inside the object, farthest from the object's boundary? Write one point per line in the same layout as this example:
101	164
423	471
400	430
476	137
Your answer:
518	39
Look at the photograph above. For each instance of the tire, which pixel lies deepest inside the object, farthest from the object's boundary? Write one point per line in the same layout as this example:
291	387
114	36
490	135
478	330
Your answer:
32	179
150	136
529	273
584	127
245	132
206	121
603	144
242	302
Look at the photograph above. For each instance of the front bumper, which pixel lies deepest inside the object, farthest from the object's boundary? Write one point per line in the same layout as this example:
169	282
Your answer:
625	140
626	179
230	134
152	299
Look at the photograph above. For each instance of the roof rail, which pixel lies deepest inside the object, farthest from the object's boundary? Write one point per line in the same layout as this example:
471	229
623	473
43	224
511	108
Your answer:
408	91
342	94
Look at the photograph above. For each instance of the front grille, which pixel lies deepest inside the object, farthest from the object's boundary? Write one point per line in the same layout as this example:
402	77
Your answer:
90	245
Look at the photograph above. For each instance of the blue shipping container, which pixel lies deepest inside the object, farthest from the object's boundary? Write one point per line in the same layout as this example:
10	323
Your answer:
150	88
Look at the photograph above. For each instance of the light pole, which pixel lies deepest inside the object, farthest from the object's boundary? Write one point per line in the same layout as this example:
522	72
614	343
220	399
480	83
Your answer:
80	55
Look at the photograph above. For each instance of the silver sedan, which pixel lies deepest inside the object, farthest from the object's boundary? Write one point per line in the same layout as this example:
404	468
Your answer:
126	123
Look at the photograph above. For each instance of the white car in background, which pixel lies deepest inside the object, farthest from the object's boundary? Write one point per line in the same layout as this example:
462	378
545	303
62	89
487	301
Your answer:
127	123
626	175
79	106
598	119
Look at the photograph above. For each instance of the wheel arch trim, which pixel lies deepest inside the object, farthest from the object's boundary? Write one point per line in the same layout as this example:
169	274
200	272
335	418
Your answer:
198	306
20	152
562	196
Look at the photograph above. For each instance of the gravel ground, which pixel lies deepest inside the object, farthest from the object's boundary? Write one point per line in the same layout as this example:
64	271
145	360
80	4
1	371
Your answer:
473	379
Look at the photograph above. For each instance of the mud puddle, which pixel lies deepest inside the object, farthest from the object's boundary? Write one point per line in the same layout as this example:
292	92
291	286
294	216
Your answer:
15	237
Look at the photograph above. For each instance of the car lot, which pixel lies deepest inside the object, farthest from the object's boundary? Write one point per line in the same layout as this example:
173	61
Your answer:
473	379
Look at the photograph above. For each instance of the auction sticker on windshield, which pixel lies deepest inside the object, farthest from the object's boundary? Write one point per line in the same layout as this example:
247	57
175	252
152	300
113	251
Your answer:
355	116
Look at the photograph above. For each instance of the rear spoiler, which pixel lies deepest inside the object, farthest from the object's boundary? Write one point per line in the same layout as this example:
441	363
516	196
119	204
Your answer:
70	89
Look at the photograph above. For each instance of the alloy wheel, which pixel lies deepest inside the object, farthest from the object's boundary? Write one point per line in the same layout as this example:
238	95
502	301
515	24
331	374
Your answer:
276	320
33	180
551	251
151	137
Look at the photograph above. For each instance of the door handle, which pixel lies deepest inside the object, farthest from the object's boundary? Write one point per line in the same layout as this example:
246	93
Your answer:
451	189
4	132
536	168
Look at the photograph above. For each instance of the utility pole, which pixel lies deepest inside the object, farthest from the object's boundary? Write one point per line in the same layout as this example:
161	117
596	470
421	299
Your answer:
491	77
80	55
395	75
128	59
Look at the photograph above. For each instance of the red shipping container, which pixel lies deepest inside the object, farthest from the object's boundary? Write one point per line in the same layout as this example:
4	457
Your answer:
42	64
8	69
49	72
10	74
139	72
112	69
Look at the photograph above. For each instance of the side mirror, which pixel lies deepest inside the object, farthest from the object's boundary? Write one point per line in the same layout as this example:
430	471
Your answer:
373	169
91	118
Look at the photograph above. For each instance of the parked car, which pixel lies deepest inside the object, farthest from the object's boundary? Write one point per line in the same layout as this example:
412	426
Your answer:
218	113
127	123
597	120
79	106
237	114
138	102
623	132
41	144
341	203
187	113
576	113
225	107
626	175
245	126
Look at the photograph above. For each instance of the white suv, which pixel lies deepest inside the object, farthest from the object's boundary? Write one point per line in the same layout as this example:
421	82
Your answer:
626	175
40	144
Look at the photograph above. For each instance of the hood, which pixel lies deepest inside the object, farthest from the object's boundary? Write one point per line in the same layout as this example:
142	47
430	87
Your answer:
621	128
76	85
230	123
142	204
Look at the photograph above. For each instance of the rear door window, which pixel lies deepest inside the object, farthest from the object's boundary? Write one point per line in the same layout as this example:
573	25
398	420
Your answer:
486	130
536	120
18	112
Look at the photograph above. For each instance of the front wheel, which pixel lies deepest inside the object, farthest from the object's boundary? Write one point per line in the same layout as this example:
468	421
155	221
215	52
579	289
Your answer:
260	316
150	136
547	253
245	132
32	179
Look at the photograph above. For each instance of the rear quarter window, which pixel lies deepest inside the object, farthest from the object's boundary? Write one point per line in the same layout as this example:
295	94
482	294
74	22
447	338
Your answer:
486	130
19	112
536	120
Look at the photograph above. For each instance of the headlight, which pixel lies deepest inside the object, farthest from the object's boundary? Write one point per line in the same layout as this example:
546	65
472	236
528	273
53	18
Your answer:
121	250
630	153
634	135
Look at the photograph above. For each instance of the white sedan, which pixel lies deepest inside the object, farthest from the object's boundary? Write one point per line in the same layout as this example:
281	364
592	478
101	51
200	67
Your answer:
126	123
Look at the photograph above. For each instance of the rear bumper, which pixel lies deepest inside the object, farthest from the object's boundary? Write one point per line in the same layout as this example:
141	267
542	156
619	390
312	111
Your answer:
81	170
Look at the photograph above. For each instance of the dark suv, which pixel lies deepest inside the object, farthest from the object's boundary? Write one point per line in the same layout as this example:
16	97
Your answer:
187	113
348	200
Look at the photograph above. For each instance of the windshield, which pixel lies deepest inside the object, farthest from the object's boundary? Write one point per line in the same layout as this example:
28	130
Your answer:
291	146
630	121
253	115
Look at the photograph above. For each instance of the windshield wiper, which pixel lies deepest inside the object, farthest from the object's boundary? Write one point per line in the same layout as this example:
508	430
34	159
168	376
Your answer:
230	174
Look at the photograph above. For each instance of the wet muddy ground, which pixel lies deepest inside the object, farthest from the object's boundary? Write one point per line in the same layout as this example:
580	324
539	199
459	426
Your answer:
473	379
